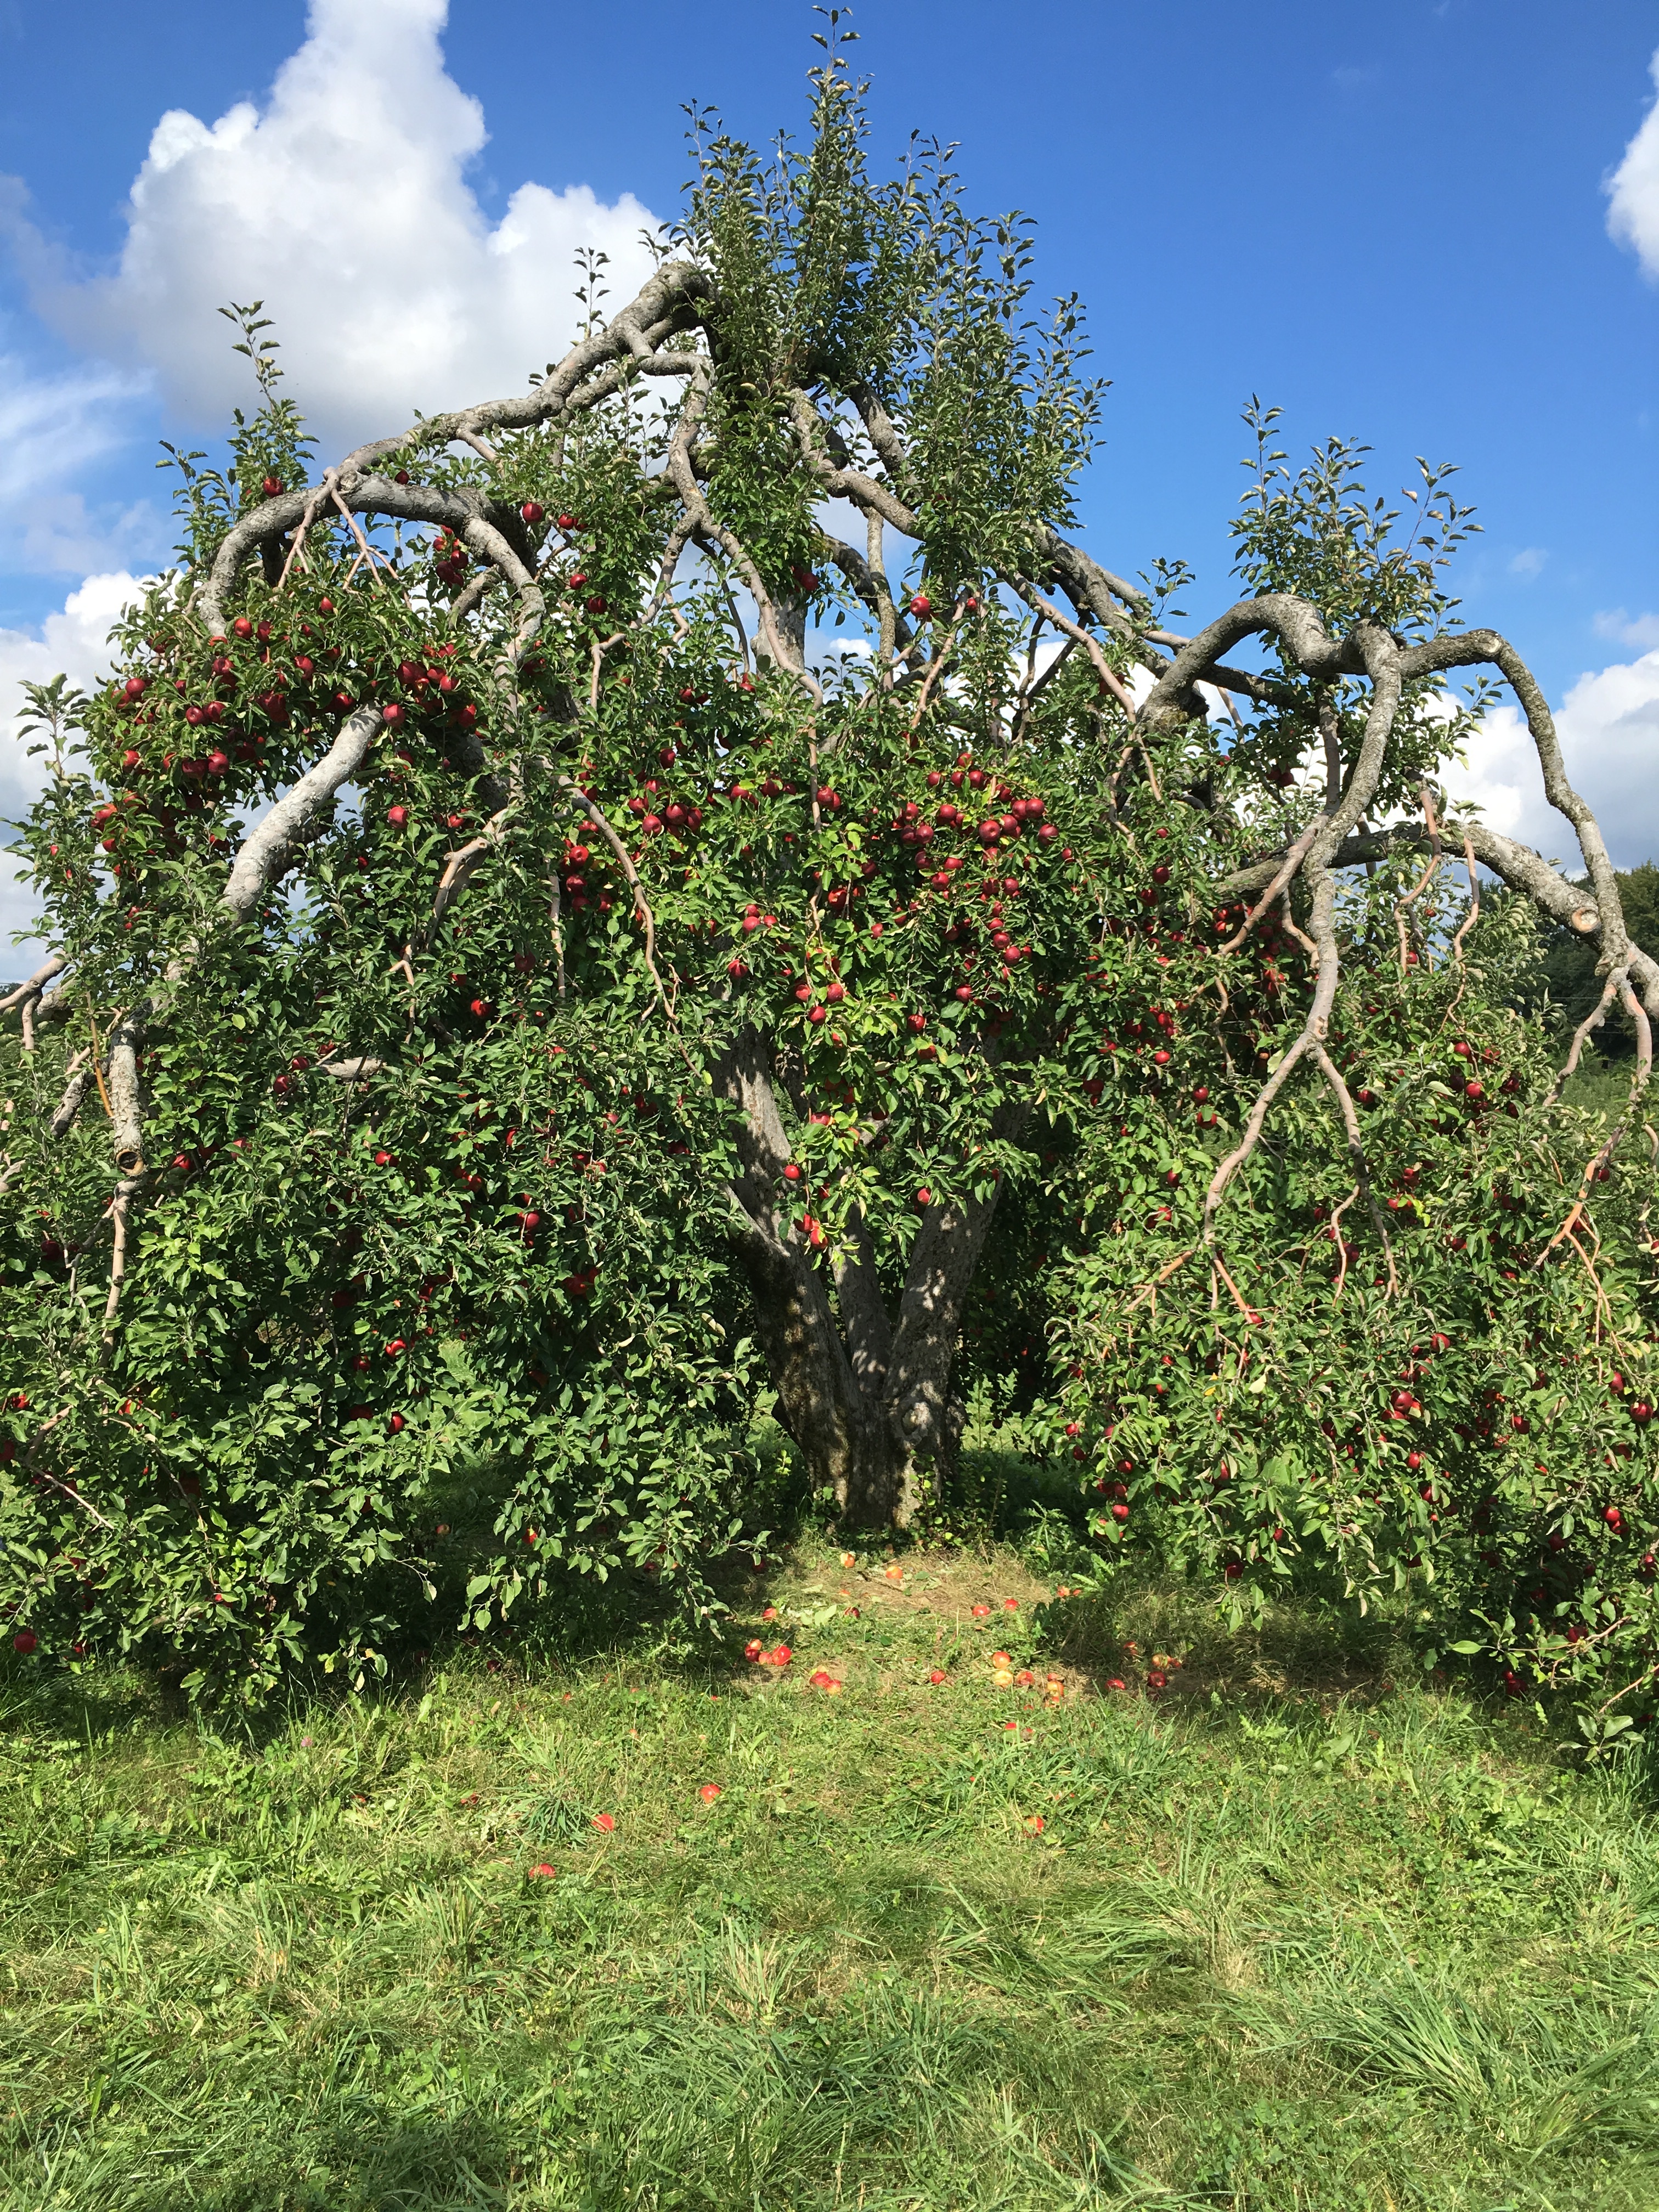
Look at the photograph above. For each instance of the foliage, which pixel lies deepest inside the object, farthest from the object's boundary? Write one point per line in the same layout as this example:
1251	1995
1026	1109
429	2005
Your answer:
443	1148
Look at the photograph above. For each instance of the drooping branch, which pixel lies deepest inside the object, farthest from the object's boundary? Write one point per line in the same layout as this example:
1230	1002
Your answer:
34	986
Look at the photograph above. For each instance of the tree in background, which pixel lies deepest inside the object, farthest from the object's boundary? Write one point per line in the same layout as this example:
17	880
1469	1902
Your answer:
524	981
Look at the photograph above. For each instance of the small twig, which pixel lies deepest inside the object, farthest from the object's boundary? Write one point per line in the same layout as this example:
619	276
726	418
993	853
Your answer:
555	925
1474	914
641	908
1593	1020
1337	1214
1287	868
357	529
1293	929
601	647
313	508
459	867
1423	880
1220	1265
1246	1143
1150	1290
1328	1068
97	1069
936	664
1091	644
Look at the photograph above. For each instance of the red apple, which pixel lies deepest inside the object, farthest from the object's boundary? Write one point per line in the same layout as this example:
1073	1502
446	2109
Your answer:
24	1641
710	1792
533	512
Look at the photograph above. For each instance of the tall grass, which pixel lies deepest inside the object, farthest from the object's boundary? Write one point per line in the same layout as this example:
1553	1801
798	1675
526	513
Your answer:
1282	1937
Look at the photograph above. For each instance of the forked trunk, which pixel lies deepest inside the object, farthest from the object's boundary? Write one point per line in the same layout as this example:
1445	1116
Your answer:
865	1396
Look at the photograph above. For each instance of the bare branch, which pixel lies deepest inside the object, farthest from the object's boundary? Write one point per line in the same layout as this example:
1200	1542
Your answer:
54	964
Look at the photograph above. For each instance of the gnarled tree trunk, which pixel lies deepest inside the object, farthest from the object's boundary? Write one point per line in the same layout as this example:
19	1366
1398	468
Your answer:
865	1393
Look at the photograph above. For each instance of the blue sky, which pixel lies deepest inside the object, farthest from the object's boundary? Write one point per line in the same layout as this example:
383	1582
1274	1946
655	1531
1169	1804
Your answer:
1391	219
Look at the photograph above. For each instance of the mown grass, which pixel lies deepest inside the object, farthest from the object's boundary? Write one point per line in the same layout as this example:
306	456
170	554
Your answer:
1289	1934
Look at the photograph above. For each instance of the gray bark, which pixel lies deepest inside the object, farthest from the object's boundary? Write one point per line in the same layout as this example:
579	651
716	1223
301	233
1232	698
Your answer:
866	1395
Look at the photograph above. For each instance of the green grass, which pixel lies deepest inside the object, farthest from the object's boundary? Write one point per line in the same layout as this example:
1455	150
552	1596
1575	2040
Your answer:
1291	1937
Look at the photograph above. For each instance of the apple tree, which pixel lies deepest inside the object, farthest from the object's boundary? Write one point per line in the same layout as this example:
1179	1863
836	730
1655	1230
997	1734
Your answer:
689	878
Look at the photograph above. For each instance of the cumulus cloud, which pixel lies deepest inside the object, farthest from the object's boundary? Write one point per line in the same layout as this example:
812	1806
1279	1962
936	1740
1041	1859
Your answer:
1633	190
1610	730
1528	562
72	643
343	203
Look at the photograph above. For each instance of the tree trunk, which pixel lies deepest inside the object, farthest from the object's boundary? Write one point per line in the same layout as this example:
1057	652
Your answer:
866	1400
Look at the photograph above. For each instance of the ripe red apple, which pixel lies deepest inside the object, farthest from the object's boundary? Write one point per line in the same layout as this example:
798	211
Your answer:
395	1423
396	816
752	1650
532	511
924	1199
792	1173
1614	1519
543	1872
606	1823
938	1675
921	606
24	1641
710	1792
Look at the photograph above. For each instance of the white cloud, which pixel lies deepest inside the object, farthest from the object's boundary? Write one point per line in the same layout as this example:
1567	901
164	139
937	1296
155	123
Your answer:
343	204
1641	630
53	429
1633	190
1608	725
73	643
1528	562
